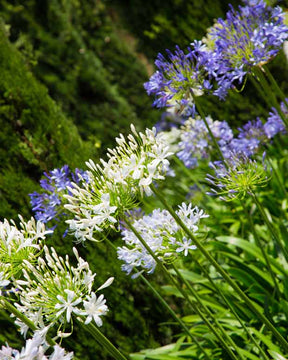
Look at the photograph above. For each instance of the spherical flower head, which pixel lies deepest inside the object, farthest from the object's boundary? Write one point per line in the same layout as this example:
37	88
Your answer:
18	244
162	234
57	291
178	77
238	177
248	37
114	186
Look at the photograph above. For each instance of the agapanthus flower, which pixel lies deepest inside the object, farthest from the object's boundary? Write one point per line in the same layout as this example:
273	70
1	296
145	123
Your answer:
34	349
115	184
239	176
48	205
53	291
196	143
247	38
251	136
18	244
178	77
162	234
274	123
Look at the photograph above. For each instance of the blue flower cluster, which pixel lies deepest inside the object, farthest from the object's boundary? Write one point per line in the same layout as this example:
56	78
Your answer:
247	38
274	123
195	142
48	204
179	78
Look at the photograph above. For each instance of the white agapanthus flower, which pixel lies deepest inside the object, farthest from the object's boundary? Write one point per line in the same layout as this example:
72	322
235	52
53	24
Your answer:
94	308
53	292
132	166
3	280
34	349
163	236
18	244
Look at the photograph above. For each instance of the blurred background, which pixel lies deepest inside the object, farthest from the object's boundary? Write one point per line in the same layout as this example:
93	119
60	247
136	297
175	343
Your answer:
71	79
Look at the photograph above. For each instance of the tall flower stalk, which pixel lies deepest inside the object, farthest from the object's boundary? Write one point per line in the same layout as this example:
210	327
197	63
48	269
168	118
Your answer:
228	279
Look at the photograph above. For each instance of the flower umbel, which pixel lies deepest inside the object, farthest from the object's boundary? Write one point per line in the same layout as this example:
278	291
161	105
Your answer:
178	77
249	37
53	291
240	176
18	245
162	234
114	185
48	205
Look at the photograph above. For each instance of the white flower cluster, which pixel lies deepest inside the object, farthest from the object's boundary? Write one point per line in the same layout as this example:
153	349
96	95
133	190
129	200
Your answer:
131	168
162	234
34	349
17	245
53	290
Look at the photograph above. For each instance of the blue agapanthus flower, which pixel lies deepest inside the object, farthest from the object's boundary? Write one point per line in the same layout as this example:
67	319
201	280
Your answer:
275	124
178	76
251	136
196	143
47	205
249	37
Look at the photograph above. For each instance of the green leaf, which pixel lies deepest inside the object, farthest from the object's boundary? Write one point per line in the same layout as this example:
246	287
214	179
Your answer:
276	356
266	340
252	250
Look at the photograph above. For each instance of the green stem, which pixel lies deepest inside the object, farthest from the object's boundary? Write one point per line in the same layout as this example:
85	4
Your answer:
171	311
265	255
260	91
103	341
267	89
166	272
202	268
189	173
208	312
270	226
229	280
275	85
203	117
13	310
174	315
275	171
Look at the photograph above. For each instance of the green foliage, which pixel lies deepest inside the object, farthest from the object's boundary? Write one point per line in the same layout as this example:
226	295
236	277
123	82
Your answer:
75	50
35	135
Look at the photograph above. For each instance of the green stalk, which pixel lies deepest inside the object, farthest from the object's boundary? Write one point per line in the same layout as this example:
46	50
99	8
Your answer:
174	315
203	117
229	280
260	90
265	255
188	172
275	171
267	89
13	310
170	310
270	226
275	85
208	312
166	272
202	268
103	341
